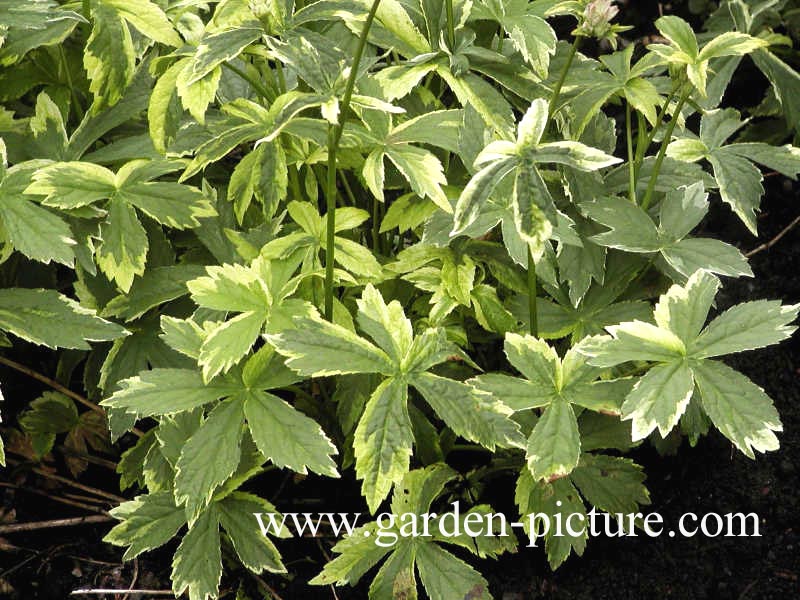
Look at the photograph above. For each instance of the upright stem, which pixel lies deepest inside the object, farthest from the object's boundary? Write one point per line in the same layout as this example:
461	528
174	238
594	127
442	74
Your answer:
334	136
560	83
533	314
642	148
451	27
662	152
631	161
257	86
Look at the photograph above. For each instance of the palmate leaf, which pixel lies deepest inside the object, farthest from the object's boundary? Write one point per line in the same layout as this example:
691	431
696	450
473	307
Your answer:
384	437
123	252
533	207
683	370
734	165
270	420
349	254
631	229
685	52
440	572
555	384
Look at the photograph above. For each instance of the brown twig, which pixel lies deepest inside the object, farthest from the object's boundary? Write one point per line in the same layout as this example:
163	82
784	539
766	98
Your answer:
270	590
775	240
52	383
135	578
58	387
103	591
71	483
102	462
79	486
34	525
66	501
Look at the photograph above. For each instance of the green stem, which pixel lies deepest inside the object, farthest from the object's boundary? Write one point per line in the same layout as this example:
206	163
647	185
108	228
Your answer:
294	183
254	83
72	89
560	83
334	136
451	27
348	190
631	161
662	152
376	226
281	78
532	312
641	149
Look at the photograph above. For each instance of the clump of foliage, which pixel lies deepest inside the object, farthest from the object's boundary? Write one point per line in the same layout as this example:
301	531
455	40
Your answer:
297	235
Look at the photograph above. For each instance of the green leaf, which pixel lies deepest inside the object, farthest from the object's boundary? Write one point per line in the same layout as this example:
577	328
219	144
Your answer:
683	309
197	565
555	500
535	359
385	323
24	222
518	394
157	286
219	47
164	392
228	343
612	484
739	185
737	407
230	288
52	412
147	522
109	56
317	348
33	24
123	252
477	192
573	154
31	313
383	440
680	33
659	399
422	170
288	437
554	445
631	227
256	551
691	255
197	477
731	43
445	576
746	326
470	415
681	211
148	18
171	204
632	341
357	554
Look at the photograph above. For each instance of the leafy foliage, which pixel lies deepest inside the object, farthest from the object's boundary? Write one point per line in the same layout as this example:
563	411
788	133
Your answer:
186	188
